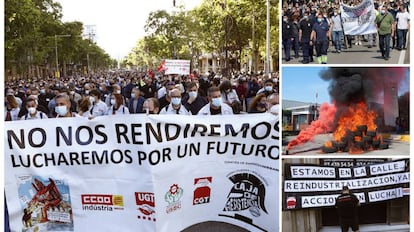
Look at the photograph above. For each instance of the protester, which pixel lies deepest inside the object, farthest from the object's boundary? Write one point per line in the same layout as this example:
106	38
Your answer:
98	107
32	111
347	206
62	106
192	100
165	100
117	105
215	105
403	25
136	101
11	111
305	30
320	34
228	94
151	106
268	88
85	108
386	29
258	104
337	31
273	103
175	106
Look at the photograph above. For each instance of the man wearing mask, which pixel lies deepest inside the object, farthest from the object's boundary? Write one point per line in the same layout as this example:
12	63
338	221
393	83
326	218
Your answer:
32	112
192	100
267	89
216	105
175	106
320	34
305	30
98	107
62	106
386	29
287	36
136	101
336	28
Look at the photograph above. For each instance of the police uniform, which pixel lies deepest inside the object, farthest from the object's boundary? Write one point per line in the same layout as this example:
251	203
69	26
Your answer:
287	35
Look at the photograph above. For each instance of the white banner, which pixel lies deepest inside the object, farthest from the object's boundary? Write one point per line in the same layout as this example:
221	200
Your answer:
181	67
155	173
360	19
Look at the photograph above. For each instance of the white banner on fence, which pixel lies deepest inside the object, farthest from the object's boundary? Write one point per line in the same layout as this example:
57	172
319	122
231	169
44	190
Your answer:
360	19
181	67
155	173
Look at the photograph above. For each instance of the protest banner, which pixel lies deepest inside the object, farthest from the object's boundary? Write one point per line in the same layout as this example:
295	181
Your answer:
359	19
307	186
152	172
181	67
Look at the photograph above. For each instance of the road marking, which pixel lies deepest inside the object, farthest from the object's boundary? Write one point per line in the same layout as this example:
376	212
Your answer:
402	54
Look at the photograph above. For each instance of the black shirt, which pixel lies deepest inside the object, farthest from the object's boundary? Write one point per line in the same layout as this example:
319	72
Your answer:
347	205
306	27
287	30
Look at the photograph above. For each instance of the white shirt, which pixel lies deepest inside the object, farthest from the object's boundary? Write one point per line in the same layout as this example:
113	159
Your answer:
225	109
14	113
230	97
121	110
38	115
99	109
403	18
170	110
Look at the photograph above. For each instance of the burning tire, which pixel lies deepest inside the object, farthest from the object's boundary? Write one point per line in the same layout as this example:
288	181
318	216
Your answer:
329	149
371	133
376	143
367	139
357	133
384	146
362	128
360	145
338	145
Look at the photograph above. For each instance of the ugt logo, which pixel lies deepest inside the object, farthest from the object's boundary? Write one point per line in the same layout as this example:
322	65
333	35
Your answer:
248	192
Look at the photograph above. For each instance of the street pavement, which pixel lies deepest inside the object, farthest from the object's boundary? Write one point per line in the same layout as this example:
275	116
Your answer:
397	147
358	54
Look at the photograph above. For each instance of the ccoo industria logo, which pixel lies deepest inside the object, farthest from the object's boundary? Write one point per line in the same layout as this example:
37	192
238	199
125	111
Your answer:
102	202
248	192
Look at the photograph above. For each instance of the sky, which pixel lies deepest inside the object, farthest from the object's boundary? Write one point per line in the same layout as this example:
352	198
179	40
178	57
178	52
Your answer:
302	83
119	24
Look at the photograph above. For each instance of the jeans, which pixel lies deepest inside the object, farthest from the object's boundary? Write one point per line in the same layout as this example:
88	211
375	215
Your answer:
402	37
287	44
337	39
384	45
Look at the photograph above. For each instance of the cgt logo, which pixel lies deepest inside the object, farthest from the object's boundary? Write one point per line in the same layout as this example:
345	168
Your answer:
202	191
102	199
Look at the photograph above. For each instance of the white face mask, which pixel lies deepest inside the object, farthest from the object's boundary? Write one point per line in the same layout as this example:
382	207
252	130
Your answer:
113	102
268	88
132	95
87	92
31	110
176	101
91	99
118	91
216	101
61	110
192	94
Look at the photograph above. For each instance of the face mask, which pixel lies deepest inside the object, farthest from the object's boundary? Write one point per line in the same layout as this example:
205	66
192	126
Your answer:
31	110
268	88
118	91
113	102
383	12
216	101
42	91
72	92
87	92
91	99
335	14
176	101
100	88
192	94
319	20
305	17
285	19
61	110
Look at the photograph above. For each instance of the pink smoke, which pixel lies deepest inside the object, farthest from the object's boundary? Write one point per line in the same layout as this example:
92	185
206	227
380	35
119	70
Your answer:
324	124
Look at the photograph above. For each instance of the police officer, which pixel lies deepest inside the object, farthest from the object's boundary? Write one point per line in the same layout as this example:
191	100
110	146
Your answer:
347	206
287	36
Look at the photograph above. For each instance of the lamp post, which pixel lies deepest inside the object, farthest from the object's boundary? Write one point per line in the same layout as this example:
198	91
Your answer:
267	64
56	51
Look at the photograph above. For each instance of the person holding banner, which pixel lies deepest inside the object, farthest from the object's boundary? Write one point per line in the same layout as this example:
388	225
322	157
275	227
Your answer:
216	105
32	112
117	106
175	104
62	106
320	34
347	206
386	29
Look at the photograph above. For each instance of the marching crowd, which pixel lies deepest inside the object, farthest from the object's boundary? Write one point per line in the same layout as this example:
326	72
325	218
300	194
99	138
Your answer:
311	27
130	92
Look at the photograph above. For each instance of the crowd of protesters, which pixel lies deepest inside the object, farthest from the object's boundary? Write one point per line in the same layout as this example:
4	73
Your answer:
130	92
312	27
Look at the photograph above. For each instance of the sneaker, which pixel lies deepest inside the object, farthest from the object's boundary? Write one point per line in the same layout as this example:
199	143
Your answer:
386	58
339	51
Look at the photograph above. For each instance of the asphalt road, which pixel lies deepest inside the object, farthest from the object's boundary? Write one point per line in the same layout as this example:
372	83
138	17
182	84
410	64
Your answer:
358	54
396	147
